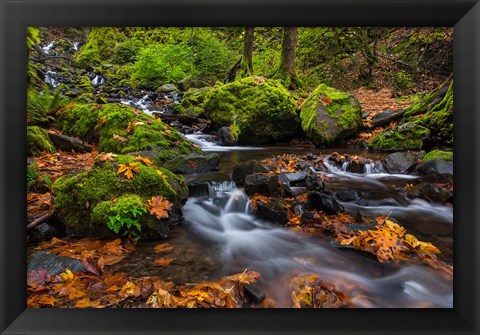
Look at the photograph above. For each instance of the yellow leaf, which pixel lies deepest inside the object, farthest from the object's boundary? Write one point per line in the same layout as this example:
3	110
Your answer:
128	169
130	289
145	161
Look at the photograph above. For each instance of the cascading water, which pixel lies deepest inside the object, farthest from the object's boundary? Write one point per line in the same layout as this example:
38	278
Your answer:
224	219
208	143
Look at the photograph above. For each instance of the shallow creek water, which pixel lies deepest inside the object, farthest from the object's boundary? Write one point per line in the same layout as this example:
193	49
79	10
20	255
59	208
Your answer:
220	237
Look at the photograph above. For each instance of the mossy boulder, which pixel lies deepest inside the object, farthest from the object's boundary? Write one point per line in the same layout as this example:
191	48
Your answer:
407	136
329	115
122	129
262	109
85	201
192	101
38	141
438	154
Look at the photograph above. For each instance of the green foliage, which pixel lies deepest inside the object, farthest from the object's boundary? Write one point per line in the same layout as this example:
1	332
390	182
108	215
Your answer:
329	115
41	106
403	82
100	45
161	63
36	179
124	215
126	52
33	38
262	109
38	141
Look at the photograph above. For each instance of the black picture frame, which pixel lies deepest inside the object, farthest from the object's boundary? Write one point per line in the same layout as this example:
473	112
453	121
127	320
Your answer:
16	15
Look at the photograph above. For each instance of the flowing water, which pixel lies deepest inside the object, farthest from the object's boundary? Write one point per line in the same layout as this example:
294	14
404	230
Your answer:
220	236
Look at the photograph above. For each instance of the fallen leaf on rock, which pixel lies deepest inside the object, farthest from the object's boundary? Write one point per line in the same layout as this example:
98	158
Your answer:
163	247
159	207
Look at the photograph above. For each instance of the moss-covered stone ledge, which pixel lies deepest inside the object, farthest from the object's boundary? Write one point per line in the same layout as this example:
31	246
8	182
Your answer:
262	109
38	141
329	115
122	129
407	136
77	197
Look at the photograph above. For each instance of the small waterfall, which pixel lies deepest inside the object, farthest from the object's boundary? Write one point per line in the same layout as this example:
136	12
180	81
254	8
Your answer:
224	219
75	45
50	79
345	166
208	143
48	47
370	168
98	80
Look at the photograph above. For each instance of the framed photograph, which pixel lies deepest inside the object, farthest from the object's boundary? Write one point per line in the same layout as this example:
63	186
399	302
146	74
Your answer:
239	167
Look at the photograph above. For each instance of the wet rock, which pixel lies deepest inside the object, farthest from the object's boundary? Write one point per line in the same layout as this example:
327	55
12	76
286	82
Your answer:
294	178
347	195
42	232
435	166
167	88
314	183
309	156
261	183
431	192
193	163
399	162
254	292
324	202
67	143
274	211
386	117
357	166
242	170
225	136
53	264
286	191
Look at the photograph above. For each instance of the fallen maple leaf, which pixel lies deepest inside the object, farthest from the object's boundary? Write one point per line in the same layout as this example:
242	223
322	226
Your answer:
128	169
119	138
130	289
108	156
162	262
145	161
163	247
159	207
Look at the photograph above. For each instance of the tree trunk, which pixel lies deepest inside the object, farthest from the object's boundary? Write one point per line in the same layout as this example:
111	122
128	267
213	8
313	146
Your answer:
248	50
286	71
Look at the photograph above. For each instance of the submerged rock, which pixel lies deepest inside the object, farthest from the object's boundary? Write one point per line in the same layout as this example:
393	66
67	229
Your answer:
329	115
53	264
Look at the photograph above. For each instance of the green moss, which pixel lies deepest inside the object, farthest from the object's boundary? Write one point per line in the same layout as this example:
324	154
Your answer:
38	140
440	120
121	129
76	196
262	109
439	154
84	83
192	101
329	115
408	136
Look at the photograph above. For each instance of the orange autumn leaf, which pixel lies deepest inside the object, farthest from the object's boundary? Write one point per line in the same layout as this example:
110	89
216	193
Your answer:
119	138
162	262
108	156
144	160
163	247
128	169
159	207
326	101
130	289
